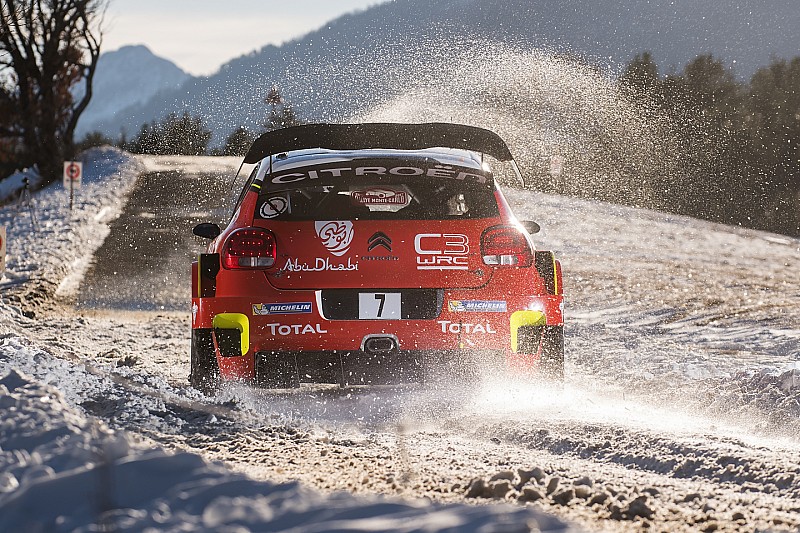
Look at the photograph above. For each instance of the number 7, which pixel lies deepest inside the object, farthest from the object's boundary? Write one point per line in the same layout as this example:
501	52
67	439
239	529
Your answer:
382	298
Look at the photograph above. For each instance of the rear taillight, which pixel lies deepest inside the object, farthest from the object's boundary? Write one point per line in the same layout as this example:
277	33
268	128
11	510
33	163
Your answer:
249	248
507	246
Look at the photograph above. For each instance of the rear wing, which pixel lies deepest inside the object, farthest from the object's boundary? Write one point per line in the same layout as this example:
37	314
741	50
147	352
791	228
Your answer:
379	135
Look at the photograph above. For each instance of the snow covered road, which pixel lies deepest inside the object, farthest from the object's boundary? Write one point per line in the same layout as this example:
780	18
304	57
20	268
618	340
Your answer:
681	409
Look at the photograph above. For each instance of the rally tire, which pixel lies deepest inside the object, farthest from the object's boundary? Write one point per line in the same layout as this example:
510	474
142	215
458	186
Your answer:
552	358
204	369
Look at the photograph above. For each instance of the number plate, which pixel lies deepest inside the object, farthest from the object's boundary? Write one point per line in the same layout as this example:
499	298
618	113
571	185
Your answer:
379	306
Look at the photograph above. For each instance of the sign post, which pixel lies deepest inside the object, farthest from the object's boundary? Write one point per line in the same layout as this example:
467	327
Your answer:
73	172
2	249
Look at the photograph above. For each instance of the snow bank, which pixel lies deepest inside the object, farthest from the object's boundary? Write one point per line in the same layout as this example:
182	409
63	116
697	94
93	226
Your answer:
49	244
60	471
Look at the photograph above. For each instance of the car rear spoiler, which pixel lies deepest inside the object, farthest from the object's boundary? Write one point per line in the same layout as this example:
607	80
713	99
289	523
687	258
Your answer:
379	135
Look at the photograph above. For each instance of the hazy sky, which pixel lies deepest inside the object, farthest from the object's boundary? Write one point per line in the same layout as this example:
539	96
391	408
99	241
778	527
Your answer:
201	35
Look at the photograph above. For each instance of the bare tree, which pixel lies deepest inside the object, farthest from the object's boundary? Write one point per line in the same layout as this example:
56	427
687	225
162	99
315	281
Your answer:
47	48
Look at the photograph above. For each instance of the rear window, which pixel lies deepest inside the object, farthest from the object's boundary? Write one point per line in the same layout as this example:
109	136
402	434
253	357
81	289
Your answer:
377	190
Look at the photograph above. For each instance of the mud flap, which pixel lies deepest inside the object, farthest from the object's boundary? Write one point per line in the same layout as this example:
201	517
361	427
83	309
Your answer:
203	367
524	319
231	334
551	361
526	339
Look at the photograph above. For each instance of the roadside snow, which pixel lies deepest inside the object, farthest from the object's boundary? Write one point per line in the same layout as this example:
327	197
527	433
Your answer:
685	313
49	246
61	471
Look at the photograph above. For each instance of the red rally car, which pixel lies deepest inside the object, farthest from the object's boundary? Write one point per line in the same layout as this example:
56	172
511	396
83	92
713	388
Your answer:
373	253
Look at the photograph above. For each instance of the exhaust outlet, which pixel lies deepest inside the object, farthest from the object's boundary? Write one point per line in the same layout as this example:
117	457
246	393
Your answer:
379	344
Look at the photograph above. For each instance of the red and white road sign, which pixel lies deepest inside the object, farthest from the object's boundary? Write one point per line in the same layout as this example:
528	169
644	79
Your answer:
2	249
73	172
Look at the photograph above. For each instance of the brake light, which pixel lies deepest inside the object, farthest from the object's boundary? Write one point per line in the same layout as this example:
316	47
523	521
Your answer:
249	248
507	246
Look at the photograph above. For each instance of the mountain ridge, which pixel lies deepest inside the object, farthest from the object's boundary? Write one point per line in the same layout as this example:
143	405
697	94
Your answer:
392	40
128	76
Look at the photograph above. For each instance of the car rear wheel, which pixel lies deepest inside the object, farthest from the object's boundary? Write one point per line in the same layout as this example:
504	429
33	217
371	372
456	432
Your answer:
204	370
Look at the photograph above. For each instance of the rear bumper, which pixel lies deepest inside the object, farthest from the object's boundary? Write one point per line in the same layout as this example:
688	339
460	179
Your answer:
294	322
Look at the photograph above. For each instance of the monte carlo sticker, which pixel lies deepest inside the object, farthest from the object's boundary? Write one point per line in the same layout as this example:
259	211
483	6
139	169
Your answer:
380	196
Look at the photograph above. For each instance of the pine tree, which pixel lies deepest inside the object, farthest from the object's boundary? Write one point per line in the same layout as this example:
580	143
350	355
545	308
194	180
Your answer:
773	126
184	135
238	142
640	78
174	135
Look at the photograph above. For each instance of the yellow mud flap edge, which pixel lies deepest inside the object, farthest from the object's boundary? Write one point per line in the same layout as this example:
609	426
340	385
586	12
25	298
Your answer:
524	318
233	321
